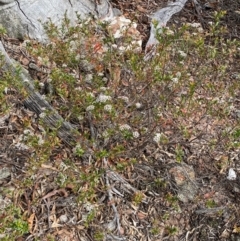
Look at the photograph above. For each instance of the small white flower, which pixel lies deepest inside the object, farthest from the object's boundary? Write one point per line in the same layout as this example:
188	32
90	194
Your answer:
78	88
89	78
136	134
103	98
114	46
108	108
103	88
77	57
200	30
76	148
80	117
90	94
169	32
125	127
124	98
105	79
138	105
157	137
27	132
41	84
105	134
175	80
42	115
26	80
101	74
182	54
40	140
196	25
178	74
90	107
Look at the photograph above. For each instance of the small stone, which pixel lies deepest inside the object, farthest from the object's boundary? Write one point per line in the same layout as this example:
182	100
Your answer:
5	172
184	177
63	218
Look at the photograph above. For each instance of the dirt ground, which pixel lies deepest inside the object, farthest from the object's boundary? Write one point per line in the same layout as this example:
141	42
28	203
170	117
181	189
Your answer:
193	220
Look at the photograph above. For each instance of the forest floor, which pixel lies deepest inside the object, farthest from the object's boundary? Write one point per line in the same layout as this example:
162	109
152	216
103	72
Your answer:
163	137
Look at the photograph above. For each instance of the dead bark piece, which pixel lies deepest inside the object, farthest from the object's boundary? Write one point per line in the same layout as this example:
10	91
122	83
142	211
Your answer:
36	103
159	20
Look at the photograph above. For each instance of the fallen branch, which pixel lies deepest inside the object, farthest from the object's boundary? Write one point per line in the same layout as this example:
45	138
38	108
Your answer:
36	103
159	20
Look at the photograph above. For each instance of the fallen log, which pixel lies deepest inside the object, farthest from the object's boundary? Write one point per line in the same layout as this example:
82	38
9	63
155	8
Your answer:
36	103
158	21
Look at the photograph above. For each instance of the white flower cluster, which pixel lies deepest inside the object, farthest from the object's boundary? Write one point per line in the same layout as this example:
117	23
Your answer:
40	140
80	117
90	107
182	54
103	88
198	26
157	137
136	134
90	94
108	108
124	98
103	98
89	78
194	25
27	133
42	115
176	79
168	31
178	74
105	134
124	127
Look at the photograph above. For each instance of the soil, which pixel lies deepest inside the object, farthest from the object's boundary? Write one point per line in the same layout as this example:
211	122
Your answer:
202	184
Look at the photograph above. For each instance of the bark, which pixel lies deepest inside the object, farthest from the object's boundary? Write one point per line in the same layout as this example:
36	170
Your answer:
37	104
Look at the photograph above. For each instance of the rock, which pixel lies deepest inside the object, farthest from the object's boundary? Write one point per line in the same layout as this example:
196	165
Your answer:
26	17
184	177
4	172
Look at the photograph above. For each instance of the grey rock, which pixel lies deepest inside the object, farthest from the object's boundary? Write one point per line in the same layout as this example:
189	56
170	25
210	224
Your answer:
25	18
184	177
4	172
